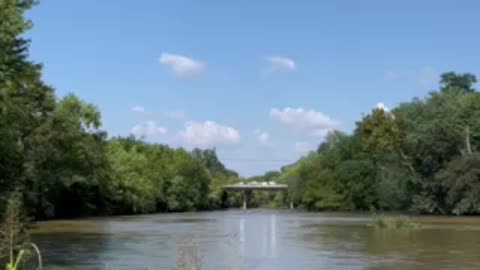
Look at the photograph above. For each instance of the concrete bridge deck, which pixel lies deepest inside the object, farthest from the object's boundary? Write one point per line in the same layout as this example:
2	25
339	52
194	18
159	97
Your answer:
259	186
262	186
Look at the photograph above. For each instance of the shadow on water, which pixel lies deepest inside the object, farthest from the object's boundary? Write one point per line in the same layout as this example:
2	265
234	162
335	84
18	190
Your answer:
70	249
434	247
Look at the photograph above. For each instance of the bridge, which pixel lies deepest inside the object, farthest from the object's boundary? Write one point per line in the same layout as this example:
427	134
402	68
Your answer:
265	186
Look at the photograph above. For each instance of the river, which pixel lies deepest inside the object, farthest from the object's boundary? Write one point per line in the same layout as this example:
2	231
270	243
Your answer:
257	239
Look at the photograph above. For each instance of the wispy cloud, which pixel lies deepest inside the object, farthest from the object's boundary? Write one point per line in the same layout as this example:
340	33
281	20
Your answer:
392	75
280	63
182	65
426	76
175	115
311	121
148	129
209	133
137	109
261	136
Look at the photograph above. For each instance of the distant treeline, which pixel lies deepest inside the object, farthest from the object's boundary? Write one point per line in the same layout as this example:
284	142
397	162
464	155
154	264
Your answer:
422	155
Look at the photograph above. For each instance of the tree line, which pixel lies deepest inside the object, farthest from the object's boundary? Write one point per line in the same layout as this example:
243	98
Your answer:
56	158
423	156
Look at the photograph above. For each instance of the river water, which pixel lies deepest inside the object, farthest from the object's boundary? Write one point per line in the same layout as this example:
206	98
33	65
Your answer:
257	239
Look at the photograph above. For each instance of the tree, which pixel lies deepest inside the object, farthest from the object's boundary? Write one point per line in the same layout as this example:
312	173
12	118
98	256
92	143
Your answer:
188	189
25	101
66	170
460	83
209	159
316	186
439	129
220	176
132	192
461	181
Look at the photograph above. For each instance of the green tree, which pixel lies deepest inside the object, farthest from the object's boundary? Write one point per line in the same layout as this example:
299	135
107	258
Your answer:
188	189
25	101
67	168
460	83
220	176
461	181
131	191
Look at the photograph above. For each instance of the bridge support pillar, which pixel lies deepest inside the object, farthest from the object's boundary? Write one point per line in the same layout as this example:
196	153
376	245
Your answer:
244	197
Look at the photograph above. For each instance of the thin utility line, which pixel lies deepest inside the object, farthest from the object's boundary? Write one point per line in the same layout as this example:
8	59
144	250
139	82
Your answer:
257	160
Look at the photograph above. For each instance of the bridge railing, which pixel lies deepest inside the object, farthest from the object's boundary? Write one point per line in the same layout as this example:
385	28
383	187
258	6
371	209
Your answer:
263	186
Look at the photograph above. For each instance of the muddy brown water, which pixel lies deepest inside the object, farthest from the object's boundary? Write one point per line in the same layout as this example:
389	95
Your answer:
257	239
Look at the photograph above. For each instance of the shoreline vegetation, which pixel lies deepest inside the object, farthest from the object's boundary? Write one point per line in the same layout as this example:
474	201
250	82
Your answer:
422	156
16	249
401	222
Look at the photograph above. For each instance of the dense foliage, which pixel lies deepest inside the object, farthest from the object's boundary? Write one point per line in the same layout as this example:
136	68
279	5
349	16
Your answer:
423	155
148	178
55	155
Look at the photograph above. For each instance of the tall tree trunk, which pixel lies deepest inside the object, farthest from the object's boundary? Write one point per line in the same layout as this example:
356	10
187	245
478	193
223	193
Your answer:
410	167
467	140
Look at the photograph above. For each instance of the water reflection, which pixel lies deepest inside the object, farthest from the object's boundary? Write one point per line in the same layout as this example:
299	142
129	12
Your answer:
242	236
258	239
273	235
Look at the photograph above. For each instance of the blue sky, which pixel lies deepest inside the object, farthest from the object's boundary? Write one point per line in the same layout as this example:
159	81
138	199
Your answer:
262	81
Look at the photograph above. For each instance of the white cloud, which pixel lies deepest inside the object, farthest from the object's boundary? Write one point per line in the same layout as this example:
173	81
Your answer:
137	109
382	106
279	63
182	65
261	136
174	115
209	133
148	129
304	147
311	121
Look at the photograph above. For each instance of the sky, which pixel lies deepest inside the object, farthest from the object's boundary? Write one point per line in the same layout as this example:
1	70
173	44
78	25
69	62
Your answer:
261	81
